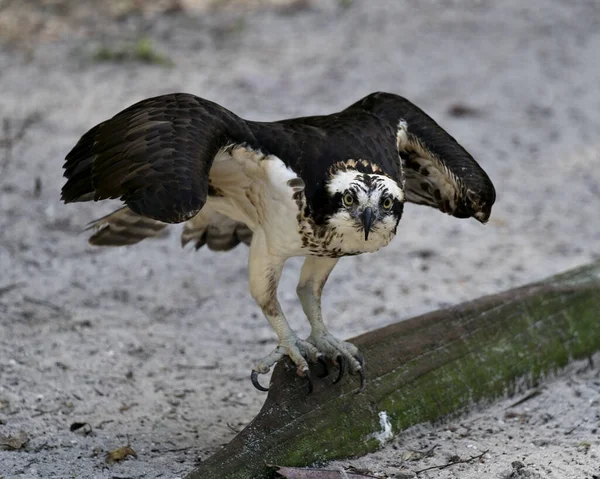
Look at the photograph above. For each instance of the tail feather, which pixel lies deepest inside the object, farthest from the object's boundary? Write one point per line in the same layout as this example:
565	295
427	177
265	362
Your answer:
123	227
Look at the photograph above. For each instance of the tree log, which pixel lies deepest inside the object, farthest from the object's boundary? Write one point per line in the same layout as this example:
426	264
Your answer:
418	370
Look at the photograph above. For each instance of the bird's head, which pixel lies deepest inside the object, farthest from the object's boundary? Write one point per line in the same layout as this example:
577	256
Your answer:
366	205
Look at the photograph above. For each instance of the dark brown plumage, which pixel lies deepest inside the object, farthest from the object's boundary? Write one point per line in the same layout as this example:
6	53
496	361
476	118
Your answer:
155	156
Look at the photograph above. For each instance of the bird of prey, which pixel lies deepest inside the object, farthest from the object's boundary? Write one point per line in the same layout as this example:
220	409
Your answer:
321	187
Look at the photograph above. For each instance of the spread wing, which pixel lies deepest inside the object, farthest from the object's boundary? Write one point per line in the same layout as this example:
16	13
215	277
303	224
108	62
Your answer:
155	156
437	170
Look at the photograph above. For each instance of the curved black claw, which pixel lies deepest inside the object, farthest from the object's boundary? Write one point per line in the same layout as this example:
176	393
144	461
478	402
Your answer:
341	361
361	360
310	383
362	379
255	383
323	363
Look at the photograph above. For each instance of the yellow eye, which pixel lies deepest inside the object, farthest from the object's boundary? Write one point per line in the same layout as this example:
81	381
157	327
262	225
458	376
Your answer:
348	199
387	203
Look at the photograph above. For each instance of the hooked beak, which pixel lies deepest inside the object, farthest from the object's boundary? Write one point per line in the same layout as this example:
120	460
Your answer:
367	218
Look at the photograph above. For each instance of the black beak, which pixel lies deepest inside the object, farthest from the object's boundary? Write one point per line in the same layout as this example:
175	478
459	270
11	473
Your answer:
367	218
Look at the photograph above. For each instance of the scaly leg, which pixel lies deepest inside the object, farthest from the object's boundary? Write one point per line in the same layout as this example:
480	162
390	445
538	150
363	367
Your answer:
315	272
264	271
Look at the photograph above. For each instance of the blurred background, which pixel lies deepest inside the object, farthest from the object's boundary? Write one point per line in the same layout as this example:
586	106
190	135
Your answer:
156	344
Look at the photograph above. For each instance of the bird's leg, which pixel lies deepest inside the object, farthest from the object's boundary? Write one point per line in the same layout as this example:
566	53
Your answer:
315	272
264	270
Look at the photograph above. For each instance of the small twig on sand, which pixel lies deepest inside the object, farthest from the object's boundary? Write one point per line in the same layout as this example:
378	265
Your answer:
177	449
43	302
234	429
41	412
9	287
453	462
572	430
8	140
425	452
531	395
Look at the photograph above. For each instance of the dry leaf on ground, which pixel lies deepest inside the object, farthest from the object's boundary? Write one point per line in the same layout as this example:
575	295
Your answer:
119	454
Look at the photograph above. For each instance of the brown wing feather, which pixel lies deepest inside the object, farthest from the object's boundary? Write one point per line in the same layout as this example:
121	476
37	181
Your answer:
437	170
155	156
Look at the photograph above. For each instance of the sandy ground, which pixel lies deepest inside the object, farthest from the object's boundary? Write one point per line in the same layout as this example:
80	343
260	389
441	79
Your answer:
152	346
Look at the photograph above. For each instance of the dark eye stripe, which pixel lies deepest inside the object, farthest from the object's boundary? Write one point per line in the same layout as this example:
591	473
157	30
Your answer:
361	187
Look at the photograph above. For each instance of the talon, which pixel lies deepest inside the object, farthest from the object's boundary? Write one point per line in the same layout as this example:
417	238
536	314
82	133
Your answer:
323	363
310	383
362	379
341	361
361	360
255	383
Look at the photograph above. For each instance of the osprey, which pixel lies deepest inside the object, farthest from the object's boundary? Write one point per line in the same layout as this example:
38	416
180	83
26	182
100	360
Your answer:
321	187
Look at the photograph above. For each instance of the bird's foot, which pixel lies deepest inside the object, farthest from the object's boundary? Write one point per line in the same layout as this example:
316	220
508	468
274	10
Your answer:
344	354
299	351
